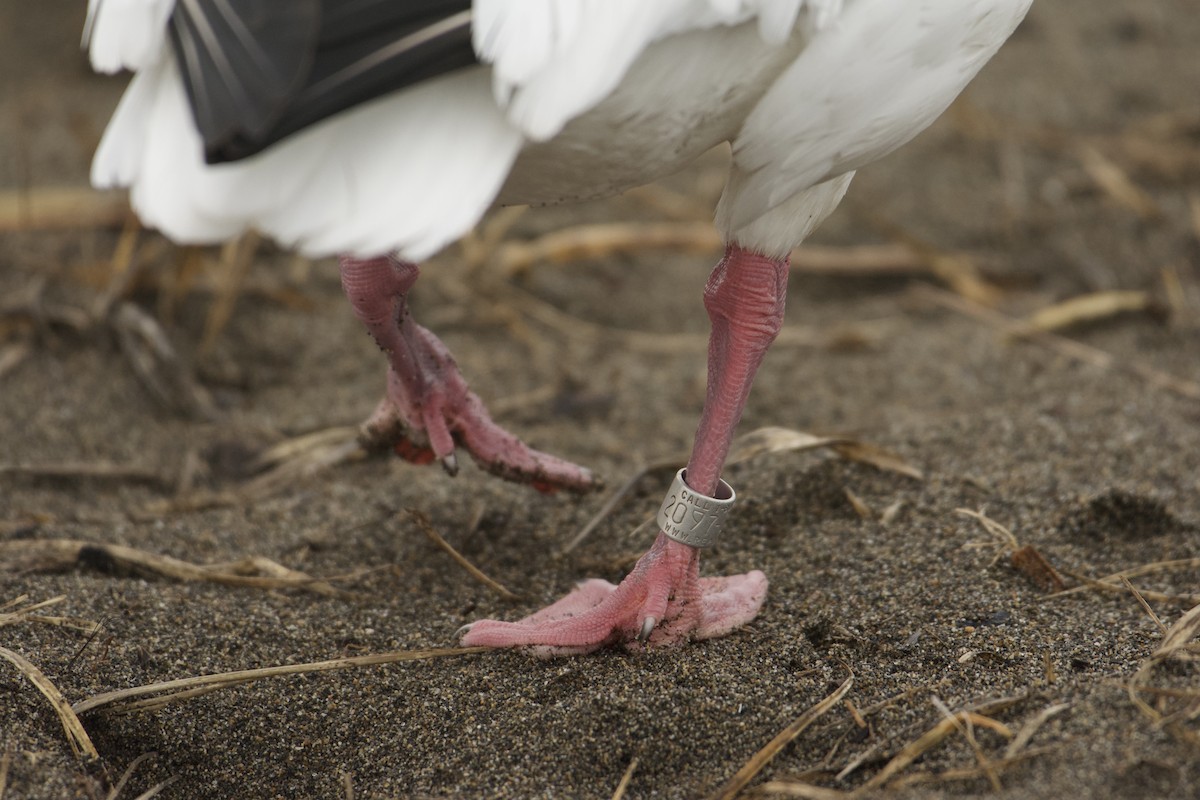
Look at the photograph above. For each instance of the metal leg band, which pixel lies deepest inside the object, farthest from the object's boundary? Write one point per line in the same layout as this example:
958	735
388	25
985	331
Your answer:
692	518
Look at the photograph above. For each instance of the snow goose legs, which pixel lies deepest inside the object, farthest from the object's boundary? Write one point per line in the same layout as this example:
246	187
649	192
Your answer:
663	600
428	408
311	121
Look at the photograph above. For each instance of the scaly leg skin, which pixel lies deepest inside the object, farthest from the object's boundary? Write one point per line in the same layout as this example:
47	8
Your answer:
428	410
663	601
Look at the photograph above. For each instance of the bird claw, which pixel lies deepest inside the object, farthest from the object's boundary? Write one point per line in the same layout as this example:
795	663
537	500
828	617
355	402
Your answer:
452	417
647	628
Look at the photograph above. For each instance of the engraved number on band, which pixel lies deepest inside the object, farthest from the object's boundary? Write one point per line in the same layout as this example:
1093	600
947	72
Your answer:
676	511
680	511
693	518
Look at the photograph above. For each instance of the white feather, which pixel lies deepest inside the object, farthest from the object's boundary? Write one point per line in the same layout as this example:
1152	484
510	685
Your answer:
409	172
862	88
125	34
554	59
118	159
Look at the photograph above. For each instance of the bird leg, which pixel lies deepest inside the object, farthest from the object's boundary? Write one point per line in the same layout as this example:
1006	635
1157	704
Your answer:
663	601
428	410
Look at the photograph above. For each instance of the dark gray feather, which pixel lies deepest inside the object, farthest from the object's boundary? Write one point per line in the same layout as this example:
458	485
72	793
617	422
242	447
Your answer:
257	71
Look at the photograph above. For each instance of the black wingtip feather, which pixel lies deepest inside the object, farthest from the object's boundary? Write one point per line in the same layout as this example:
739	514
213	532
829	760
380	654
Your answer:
256	71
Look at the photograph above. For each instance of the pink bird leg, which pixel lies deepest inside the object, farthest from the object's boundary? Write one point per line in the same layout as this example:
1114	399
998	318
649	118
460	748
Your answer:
428	411
663	601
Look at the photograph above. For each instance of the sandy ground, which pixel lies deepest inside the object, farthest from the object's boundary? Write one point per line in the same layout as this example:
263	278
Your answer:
1092	460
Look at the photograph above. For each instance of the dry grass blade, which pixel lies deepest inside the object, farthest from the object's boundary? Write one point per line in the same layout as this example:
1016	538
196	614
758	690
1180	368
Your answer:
23	614
878	457
46	208
479	244
1027	560
157	365
297	458
154	790
81	743
1002	534
26	614
889	514
595	241
768	440
121	270
1182	297
1133	590
1116	183
1067	347
1179	634
427	528
115	792
235	261
1176	645
759	760
860	507
858	761
929	740
582	242
179	687
302	446
515	302
1105	586
610	503
1134	572
1025	735
805	790
12	356
623	786
1083	309
57	554
970	773
16	601
956	270
966	727
155	703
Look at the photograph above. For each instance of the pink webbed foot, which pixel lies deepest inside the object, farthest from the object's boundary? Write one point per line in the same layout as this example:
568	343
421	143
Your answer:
428	410
662	602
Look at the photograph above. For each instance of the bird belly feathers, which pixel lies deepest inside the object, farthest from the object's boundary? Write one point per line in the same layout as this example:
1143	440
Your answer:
683	96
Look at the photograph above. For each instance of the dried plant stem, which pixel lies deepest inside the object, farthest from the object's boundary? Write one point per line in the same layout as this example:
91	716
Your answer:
427	528
81	743
623	786
184	688
253	571
755	765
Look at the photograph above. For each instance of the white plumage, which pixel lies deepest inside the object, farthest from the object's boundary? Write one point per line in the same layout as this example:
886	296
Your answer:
579	98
